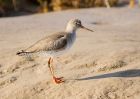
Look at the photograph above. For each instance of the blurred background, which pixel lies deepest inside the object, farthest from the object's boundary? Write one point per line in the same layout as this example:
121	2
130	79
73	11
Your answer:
23	7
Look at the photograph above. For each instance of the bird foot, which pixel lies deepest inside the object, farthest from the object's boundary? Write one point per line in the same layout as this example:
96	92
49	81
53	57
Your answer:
58	80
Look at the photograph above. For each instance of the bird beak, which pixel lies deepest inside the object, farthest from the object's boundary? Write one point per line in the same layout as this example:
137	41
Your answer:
86	28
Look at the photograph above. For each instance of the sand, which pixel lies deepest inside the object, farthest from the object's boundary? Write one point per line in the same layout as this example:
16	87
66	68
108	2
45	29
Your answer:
104	64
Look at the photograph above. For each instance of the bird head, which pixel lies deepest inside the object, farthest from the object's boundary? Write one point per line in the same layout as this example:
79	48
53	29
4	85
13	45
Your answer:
75	24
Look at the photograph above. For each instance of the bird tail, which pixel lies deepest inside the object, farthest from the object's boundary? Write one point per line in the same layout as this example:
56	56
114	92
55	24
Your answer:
23	53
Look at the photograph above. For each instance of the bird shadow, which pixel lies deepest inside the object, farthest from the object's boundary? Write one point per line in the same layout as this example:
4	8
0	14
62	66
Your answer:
126	73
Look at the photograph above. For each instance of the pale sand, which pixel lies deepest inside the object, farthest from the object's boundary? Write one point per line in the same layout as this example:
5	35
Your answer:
101	65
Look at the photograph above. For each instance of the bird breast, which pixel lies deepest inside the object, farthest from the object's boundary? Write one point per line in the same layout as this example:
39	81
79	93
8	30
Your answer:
70	39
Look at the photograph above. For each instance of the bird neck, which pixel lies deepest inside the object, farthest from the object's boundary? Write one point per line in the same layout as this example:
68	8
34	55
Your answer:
71	29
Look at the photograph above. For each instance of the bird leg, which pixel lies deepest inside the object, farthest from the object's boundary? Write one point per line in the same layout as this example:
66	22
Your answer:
55	79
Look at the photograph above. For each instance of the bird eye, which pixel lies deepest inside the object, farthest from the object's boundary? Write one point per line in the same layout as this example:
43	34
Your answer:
78	23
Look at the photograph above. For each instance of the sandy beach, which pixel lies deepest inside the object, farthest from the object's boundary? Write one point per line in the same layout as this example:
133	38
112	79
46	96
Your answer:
104	64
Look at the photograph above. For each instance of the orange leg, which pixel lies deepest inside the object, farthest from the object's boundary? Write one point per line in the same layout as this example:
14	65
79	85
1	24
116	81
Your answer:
55	79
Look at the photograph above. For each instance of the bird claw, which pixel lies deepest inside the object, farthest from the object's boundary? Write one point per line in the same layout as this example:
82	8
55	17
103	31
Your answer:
58	80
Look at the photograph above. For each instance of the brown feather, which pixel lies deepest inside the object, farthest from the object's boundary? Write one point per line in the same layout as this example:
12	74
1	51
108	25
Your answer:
53	42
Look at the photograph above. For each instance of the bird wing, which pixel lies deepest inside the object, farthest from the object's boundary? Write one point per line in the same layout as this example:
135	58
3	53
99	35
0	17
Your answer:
53	42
